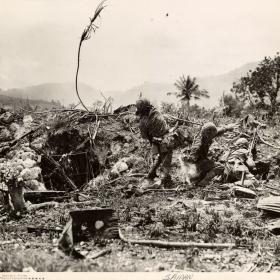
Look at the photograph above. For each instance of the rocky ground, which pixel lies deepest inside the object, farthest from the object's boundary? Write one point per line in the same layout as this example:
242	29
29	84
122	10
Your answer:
107	160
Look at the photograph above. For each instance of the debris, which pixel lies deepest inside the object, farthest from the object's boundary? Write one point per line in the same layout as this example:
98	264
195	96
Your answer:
266	143
167	244
271	204
243	192
274	227
40	230
42	205
57	166
246	183
96	223
98	254
182	120
44	196
118	168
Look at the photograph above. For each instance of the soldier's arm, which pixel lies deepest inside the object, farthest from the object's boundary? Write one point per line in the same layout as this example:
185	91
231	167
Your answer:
195	150
225	129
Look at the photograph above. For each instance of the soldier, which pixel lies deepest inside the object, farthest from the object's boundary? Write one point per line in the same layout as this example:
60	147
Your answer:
196	165
239	161
154	128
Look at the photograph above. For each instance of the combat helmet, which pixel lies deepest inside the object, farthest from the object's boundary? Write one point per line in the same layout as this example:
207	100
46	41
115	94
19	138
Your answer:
209	130
242	143
143	107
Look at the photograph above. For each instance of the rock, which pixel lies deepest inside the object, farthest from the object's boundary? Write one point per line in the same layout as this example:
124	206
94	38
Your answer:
30	174
5	135
29	163
243	192
7	118
34	185
14	127
118	168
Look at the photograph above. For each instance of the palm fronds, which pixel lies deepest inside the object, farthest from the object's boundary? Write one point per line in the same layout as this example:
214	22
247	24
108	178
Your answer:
86	35
188	88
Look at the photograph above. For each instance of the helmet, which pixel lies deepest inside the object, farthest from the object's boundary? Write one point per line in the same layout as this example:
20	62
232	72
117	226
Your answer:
209	130
143	107
242	142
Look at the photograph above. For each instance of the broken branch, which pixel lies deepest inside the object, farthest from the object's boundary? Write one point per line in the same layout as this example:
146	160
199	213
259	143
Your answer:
266	143
182	120
99	254
167	244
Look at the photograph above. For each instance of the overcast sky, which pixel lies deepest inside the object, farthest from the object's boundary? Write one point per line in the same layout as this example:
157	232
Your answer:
138	40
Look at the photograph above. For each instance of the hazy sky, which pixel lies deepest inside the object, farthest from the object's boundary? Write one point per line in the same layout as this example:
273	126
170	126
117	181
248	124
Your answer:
138	40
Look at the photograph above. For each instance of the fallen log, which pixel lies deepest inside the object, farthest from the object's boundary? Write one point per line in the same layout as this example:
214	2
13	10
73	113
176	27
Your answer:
42	205
170	244
40	230
44	196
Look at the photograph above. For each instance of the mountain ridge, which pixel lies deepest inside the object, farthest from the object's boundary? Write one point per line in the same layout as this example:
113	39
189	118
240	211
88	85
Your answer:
155	91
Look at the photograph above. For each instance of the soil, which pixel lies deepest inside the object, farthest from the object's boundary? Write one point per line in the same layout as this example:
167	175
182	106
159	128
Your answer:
211	214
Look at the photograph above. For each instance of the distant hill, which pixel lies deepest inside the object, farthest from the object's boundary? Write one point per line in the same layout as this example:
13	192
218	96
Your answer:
215	85
156	92
64	92
10	102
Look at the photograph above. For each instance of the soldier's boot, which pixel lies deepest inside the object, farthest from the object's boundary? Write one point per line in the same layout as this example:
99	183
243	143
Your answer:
166	166
167	181
153	171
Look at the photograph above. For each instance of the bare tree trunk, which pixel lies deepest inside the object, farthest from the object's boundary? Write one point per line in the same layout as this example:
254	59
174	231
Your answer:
16	193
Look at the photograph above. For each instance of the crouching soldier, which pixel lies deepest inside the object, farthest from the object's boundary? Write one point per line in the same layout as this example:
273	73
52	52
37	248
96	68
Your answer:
196	167
163	140
239	162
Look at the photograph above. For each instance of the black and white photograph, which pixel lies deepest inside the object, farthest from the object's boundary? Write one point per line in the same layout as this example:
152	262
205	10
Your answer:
139	136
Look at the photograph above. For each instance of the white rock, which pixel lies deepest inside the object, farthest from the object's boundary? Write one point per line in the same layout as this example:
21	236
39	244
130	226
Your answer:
119	167
29	163
99	224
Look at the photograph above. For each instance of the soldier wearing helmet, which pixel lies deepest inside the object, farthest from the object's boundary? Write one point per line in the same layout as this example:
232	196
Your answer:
239	161
197	165
154	128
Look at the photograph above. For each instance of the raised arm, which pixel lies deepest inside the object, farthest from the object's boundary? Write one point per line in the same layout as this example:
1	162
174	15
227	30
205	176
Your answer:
224	129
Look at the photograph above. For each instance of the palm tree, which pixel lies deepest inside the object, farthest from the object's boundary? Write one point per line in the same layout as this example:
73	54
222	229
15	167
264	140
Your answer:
188	89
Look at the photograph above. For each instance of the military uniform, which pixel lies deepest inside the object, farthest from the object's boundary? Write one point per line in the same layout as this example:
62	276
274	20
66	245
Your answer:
154	128
238	161
200	169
